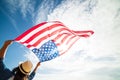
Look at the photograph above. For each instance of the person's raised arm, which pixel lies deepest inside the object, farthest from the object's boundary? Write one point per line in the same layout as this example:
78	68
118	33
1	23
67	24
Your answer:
31	76
35	69
4	48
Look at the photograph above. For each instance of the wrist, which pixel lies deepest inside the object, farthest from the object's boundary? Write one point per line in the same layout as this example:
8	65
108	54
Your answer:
8	42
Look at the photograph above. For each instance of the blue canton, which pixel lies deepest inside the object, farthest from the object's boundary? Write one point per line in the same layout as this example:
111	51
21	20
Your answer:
47	51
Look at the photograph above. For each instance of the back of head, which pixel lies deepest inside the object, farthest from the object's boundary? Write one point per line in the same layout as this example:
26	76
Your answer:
22	71
18	75
26	67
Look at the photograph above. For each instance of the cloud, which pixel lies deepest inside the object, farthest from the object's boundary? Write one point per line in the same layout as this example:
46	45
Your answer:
96	57
15	8
45	8
11	19
25	6
43	11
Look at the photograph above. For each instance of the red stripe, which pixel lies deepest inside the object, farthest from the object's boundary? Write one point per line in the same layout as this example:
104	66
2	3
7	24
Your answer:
42	31
60	33
59	36
77	33
61	43
84	33
69	32
87	31
29	46
70	39
43	38
53	33
30	30
63	39
38	42
46	36
70	35
35	35
69	46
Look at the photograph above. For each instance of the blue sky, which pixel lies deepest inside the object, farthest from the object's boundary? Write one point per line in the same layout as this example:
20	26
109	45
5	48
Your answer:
95	58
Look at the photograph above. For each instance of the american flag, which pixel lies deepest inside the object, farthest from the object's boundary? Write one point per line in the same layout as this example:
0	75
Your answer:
49	40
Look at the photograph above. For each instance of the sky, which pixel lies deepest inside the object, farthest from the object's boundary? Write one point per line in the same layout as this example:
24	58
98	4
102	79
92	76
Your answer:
94	58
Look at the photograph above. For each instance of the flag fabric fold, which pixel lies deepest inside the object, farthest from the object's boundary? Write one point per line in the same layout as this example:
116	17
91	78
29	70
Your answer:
49	40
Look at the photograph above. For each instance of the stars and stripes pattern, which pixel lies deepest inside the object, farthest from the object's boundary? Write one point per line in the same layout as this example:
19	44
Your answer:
50	39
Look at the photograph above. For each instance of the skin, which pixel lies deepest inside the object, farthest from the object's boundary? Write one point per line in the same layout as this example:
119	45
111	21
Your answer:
4	48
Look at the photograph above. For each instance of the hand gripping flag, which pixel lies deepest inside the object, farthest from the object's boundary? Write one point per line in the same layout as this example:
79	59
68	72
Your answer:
49	40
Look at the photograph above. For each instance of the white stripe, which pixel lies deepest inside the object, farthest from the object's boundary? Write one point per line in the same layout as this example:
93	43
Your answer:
25	44
44	34
60	39
32	47
65	47
55	29
64	43
35	31
49	38
44	41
